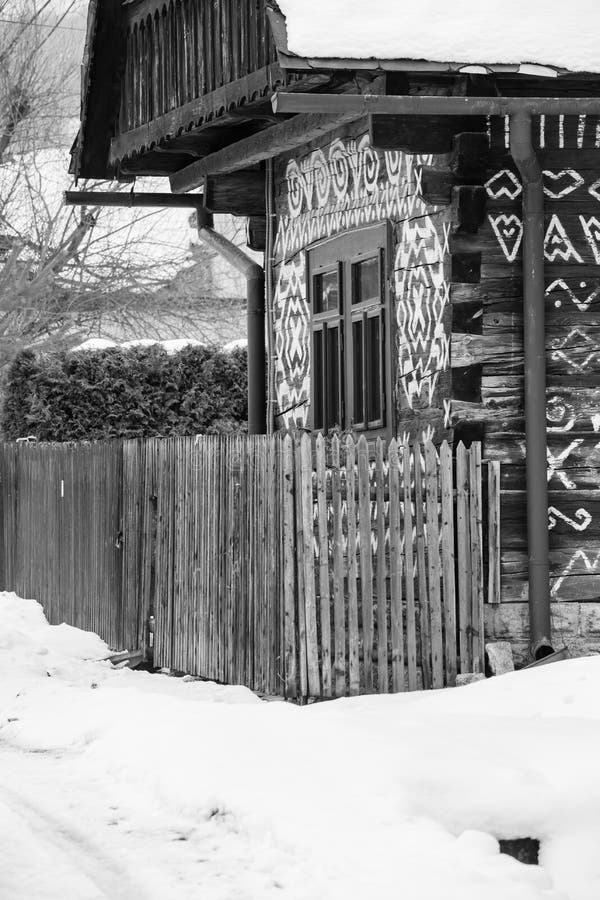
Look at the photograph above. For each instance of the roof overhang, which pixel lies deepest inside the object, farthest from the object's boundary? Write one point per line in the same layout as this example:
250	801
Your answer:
294	63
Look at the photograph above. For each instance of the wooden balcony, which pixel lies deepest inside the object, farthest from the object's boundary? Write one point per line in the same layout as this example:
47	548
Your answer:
183	50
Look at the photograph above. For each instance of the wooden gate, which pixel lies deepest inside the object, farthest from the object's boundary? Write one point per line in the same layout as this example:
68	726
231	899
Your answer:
218	559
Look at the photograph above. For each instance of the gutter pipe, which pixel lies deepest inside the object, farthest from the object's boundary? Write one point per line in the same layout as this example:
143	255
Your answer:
520	111
251	270
534	338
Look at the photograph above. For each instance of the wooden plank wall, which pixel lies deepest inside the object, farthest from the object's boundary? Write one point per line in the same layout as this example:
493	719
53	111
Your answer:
390	568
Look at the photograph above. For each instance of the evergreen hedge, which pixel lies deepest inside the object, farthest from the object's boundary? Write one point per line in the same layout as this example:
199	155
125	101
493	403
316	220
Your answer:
125	392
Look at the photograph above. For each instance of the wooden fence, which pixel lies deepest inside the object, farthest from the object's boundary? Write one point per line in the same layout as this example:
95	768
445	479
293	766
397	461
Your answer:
383	565
62	540
289	565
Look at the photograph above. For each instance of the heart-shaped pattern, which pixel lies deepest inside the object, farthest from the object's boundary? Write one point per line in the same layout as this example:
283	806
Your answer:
503	184
509	233
560	184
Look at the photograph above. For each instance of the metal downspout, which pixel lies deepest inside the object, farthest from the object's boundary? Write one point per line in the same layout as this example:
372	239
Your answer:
534	334
255	291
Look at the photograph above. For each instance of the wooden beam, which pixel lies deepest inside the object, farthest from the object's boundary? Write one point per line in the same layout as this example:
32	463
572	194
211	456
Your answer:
256	232
419	134
438	105
239	193
252	150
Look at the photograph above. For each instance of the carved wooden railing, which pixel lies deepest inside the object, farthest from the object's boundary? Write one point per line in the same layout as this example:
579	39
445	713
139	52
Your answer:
180	50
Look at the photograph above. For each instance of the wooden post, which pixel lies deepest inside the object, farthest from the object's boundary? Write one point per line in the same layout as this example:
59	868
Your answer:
493	531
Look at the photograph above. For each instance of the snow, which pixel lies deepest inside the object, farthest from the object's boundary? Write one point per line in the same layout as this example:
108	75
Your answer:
171	345
95	344
471	31
239	344
123	784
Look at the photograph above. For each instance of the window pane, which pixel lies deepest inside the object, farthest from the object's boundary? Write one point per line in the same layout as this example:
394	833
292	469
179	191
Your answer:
374	412
357	372
318	379
326	292
366	284
333	378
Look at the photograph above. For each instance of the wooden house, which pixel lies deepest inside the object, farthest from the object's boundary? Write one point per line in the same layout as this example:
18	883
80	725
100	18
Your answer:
431	230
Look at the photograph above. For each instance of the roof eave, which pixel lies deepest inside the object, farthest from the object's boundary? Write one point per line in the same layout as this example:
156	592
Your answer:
294	63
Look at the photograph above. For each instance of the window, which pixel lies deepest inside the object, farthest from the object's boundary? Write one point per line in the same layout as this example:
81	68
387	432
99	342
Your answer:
347	293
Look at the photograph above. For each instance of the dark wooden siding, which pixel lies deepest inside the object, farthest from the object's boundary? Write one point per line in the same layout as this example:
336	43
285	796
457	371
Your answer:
184	49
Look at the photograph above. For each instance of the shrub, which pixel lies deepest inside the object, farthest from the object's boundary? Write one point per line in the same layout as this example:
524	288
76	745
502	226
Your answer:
125	392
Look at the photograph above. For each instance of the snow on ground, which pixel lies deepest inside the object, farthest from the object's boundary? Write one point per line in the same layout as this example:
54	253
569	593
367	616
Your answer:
469	31
126	785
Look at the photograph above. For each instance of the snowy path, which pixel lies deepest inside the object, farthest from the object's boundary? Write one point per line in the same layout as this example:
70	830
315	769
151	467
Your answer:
58	859
65	836
130	786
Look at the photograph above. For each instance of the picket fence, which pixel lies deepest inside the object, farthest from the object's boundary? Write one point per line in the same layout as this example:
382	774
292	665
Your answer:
296	566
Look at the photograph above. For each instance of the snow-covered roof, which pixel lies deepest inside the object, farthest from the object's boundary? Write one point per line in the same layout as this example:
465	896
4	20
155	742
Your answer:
553	32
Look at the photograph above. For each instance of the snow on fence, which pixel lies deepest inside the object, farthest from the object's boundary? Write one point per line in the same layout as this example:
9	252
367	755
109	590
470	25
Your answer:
292	565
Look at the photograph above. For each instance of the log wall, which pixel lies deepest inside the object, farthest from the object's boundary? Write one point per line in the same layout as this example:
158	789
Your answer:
492	350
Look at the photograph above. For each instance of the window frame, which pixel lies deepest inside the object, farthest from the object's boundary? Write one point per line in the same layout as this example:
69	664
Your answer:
345	251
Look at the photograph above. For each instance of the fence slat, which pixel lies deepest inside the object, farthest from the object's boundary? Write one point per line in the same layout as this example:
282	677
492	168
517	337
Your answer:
382	629
475	518
353	662
396	631
339	612
409	569
448	562
464	558
289	570
300	576
306	494
421	570
366	560
324	601
433	565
